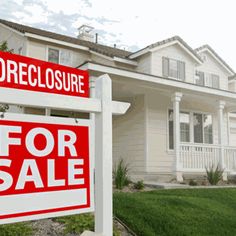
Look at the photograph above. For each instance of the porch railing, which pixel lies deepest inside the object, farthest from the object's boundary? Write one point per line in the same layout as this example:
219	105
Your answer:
198	156
230	158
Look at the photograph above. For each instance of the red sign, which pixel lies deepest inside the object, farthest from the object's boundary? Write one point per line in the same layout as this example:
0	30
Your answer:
44	168
26	73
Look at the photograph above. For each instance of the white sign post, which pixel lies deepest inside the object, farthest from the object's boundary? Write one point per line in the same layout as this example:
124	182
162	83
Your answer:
103	159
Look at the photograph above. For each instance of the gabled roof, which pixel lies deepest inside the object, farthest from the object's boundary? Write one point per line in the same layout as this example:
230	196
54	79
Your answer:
99	48
206	47
166	42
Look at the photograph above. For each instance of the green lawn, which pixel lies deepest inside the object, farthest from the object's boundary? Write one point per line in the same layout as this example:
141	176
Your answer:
178	212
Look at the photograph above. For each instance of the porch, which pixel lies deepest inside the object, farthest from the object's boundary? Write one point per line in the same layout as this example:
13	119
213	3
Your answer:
142	136
198	157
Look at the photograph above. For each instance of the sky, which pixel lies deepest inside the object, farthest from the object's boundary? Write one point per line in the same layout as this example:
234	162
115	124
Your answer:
134	24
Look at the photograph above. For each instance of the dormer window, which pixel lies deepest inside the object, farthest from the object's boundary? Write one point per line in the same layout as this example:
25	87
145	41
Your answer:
172	68
207	79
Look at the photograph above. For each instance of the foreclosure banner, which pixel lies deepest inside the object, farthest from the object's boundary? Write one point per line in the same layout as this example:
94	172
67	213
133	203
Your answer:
26	73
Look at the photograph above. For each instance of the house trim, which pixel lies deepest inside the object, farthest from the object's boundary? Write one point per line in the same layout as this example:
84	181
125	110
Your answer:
35	36
11	29
216	58
178	85
148	49
126	61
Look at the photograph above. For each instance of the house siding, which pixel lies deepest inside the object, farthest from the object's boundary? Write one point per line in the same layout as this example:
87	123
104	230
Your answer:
38	49
144	63
15	40
210	65
174	52
129	136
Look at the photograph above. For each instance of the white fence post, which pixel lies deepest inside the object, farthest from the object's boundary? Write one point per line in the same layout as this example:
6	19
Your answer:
103	158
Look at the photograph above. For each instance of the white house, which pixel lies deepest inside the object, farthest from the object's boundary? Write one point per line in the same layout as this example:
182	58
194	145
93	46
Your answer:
181	118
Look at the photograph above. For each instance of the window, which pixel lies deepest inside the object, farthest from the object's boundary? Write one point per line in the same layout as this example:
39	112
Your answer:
197	124
215	81
202	128
207	125
199	78
171	130
59	56
53	55
65	57
207	79
173	68
184	128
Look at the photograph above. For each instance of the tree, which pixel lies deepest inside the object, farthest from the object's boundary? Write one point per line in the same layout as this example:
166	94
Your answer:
4	48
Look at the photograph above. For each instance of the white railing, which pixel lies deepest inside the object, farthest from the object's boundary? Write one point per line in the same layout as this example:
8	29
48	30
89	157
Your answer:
230	158
198	156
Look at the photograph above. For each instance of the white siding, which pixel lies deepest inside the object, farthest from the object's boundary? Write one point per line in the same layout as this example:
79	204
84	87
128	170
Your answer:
159	160
129	136
144	63
15	41
210	65
174	52
38	49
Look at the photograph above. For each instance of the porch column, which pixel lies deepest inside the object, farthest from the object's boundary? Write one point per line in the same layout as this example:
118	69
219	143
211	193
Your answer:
176	98
221	106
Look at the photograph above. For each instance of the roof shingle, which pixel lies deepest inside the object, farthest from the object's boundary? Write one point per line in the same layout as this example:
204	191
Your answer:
105	50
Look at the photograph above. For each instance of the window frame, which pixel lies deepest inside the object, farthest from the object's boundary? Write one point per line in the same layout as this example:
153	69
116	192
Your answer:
207	79
178	68
59	58
191	127
53	48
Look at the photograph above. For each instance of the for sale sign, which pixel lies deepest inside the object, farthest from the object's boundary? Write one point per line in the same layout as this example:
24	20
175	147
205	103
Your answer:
26	73
44	168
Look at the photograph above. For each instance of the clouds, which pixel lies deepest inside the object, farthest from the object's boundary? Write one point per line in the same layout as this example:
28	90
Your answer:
63	17
134	24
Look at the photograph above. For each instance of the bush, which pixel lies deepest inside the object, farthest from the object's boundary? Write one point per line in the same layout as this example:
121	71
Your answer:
120	175
192	182
77	224
214	175
139	185
21	229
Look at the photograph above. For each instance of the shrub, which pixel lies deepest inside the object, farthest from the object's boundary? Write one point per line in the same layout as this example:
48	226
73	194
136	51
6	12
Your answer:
214	175
139	185
77	224
192	182
120	175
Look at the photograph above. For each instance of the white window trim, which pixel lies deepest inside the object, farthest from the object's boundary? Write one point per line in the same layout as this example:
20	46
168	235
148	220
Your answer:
191	128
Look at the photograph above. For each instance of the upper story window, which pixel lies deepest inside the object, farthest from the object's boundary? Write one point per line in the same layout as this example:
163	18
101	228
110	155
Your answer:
53	55
61	56
173	68
207	79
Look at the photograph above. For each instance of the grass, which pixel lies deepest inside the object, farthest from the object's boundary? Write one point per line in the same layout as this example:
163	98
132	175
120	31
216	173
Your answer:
187	212
19	229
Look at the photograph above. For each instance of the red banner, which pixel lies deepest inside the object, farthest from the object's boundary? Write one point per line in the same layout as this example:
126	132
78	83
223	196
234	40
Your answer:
26	73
